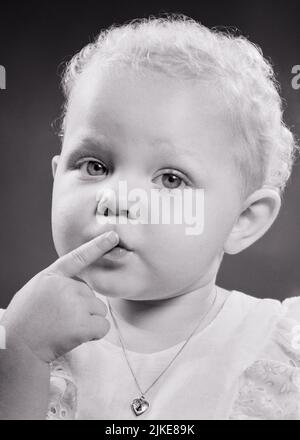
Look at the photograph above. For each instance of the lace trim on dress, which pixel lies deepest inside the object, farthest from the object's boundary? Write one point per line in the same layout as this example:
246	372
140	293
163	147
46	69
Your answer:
270	389
63	392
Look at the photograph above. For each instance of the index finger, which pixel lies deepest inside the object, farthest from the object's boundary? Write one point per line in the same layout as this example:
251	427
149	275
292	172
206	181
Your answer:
78	259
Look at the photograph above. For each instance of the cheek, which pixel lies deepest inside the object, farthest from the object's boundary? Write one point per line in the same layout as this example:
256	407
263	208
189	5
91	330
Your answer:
172	249
177	259
220	217
69	218
175	251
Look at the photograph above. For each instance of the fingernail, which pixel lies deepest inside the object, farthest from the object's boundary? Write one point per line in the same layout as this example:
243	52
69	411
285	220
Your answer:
112	236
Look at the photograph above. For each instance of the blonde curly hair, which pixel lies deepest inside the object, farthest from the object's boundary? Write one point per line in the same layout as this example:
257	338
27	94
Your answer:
179	46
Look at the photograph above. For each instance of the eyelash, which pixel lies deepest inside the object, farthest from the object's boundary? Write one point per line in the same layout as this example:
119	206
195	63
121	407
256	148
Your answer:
79	164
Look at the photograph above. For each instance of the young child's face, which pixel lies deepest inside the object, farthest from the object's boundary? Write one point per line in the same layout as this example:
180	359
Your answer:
153	126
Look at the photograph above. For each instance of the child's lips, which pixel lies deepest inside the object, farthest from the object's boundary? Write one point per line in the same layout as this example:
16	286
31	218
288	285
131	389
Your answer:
121	243
117	253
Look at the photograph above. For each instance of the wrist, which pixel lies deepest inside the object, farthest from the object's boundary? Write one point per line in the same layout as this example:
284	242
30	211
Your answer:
15	343
24	381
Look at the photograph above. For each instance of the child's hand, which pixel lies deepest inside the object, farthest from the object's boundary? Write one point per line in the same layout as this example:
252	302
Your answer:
54	313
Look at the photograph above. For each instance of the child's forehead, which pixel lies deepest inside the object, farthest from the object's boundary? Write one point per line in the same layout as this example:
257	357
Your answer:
149	95
127	80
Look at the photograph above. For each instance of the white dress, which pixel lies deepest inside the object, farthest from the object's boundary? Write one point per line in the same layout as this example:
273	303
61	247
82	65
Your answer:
244	365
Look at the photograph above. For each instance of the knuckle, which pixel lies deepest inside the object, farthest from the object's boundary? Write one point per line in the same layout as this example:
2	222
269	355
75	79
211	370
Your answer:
78	257
99	329
98	307
101	304
102	307
42	280
104	326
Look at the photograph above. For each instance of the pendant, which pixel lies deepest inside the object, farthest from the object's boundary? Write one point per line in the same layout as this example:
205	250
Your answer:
139	406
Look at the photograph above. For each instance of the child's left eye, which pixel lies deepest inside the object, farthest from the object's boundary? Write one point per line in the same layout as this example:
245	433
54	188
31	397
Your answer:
171	180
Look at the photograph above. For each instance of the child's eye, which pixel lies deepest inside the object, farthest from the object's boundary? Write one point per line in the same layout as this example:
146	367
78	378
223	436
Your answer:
93	167
172	180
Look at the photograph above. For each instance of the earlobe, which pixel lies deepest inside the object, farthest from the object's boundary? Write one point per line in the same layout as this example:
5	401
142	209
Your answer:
257	215
54	163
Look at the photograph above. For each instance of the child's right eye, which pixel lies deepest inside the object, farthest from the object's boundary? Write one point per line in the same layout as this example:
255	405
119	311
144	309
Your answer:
93	167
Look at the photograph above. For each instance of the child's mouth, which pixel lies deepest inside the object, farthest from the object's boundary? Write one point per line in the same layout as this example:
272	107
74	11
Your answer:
117	253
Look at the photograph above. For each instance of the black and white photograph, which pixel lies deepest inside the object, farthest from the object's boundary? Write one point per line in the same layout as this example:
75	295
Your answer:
166	287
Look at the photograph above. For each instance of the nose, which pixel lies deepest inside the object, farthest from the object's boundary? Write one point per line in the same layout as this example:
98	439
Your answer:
113	203
109	204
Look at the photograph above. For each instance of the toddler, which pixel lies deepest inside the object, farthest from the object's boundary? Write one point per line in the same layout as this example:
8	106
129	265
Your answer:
136	327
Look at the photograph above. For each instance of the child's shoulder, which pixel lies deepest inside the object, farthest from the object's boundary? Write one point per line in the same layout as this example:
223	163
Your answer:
288	308
277	322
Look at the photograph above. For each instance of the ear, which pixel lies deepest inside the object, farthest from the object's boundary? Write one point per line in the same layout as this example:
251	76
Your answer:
258	213
54	163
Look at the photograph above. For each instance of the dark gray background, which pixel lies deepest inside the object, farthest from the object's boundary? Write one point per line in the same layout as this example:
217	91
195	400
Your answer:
35	38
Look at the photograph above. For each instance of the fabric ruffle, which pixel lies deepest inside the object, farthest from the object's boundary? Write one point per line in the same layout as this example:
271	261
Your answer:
270	388
63	392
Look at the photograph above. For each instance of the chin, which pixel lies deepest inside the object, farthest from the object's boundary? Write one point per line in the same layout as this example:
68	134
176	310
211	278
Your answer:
104	282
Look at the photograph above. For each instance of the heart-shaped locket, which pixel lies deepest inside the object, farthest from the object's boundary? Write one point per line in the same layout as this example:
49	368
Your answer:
139	406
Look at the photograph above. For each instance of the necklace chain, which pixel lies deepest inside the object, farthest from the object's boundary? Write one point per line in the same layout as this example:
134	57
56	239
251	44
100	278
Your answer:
173	359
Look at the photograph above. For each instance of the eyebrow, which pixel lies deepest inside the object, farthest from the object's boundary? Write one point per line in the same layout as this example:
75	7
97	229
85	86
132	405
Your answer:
162	145
89	146
167	147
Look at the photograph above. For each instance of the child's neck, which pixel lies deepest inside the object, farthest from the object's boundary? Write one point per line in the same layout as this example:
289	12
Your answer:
148	326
